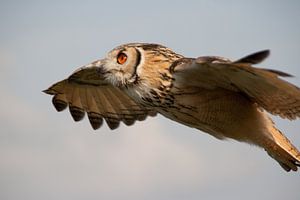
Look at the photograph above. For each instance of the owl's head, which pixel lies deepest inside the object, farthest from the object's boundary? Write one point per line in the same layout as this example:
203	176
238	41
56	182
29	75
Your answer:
131	63
121	64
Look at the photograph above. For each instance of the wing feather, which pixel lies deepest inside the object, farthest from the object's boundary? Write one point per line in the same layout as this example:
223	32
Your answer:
92	109
127	115
85	91
76	107
59	102
262	86
254	58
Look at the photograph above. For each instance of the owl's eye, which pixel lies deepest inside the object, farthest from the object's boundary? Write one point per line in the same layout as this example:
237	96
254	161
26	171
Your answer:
121	58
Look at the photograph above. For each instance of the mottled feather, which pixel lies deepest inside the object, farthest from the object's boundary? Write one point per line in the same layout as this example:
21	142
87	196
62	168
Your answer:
99	99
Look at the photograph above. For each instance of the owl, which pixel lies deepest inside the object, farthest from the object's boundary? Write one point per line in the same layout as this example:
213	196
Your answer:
224	98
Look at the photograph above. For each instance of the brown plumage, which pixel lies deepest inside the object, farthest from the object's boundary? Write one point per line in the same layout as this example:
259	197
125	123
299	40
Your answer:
227	99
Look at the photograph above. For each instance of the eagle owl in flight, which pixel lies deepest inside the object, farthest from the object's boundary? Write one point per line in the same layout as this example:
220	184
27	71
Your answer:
226	99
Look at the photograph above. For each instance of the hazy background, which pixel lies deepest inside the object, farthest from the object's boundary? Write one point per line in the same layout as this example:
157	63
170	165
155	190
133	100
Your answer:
45	155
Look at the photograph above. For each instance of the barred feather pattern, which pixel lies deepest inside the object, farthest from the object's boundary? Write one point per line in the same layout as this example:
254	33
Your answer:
99	102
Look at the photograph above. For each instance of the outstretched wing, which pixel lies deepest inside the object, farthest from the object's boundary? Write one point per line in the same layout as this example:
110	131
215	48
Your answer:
86	91
262	86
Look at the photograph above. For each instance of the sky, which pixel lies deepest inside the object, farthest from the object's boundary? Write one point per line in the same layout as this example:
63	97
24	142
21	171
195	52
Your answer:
45	155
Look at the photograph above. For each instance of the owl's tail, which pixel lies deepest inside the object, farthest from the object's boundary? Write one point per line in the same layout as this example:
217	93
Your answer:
282	150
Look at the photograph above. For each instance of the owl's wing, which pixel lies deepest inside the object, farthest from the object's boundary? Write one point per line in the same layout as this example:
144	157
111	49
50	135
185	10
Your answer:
86	91
262	86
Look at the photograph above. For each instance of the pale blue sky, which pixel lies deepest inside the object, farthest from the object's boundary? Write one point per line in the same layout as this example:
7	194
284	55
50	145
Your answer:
45	155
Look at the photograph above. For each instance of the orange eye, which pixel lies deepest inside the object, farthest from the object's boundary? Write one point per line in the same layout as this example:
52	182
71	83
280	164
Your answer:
121	58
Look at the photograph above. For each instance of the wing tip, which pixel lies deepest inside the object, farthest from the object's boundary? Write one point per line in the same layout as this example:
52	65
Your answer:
255	58
76	113
112	124
49	91
95	120
59	105
128	122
